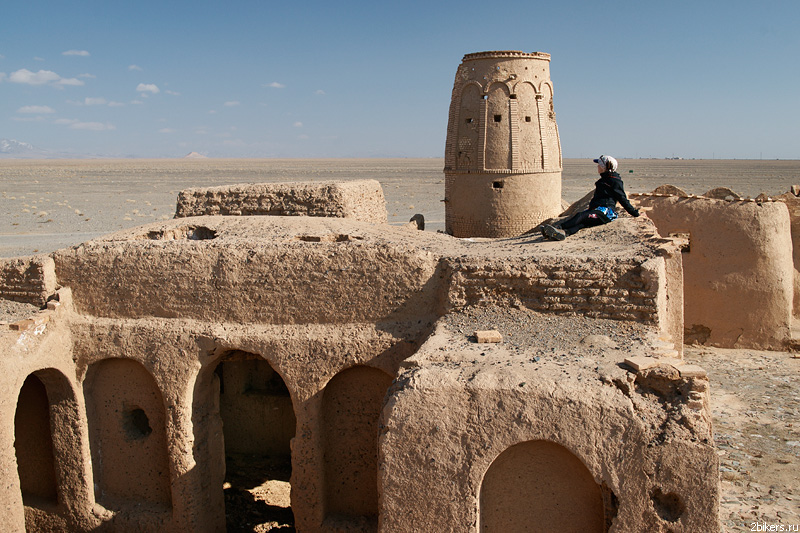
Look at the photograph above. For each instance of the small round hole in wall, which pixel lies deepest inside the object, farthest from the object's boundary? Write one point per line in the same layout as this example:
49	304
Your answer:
136	424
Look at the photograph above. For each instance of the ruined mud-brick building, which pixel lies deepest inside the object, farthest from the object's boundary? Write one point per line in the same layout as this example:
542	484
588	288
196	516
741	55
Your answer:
344	346
740	264
502	154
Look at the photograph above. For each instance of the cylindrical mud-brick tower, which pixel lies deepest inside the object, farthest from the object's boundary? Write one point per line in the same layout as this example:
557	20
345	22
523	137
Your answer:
502	159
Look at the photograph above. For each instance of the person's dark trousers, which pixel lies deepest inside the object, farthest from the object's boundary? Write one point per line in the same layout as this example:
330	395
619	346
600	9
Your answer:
584	219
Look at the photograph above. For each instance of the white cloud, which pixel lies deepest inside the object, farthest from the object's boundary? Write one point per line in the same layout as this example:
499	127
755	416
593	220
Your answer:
134	67
298	124
319	91
37	58
36	109
148	88
166	130
87	75
276	85
115	104
42	77
232	103
70	81
94	101
136	102
173	93
82	53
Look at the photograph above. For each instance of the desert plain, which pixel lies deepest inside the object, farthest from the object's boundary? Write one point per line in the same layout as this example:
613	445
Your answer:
50	204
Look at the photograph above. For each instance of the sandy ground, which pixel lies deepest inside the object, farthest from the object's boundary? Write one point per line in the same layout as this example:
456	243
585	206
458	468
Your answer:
46	205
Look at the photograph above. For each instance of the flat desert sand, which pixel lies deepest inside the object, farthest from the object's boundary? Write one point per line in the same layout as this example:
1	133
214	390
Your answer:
50	204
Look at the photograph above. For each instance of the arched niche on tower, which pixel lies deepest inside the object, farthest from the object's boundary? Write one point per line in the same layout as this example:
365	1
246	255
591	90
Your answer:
529	126
498	128
543	483
470	120
127	434
550	141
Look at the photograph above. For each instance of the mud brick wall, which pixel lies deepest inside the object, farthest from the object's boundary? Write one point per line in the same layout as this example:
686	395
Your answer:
27	279
359	199
620	290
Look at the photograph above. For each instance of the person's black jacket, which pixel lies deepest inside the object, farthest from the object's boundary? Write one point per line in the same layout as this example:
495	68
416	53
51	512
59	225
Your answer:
609	190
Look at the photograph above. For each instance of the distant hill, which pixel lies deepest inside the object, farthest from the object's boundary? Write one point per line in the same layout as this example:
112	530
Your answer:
194	155
11	147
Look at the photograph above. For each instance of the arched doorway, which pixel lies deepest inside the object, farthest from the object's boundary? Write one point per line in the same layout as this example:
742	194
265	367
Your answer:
258	424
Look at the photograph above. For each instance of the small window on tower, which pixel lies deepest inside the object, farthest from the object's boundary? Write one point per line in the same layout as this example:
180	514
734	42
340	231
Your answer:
527	119
498	118
469	121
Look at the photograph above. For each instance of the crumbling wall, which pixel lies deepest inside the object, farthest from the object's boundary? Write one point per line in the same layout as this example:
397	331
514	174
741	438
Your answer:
458	420
737	265
358	199
27	279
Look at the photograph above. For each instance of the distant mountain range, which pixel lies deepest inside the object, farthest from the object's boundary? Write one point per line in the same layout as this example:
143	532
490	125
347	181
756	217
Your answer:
12	147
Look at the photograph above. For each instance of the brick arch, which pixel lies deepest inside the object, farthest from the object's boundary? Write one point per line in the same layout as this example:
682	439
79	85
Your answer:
543	483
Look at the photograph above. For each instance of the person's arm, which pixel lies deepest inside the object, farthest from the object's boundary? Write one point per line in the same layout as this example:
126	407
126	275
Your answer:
622	198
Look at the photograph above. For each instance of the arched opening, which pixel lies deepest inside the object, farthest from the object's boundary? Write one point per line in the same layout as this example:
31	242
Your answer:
258	424
127	434
540	486
351	408
33	444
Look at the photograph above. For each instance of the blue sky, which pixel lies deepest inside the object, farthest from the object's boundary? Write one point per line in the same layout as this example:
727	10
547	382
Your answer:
373	79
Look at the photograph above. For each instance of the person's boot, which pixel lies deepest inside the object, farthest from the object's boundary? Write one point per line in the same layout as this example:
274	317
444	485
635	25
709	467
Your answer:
553	233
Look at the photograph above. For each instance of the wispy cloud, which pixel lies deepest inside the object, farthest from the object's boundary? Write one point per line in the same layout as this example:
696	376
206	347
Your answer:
42	77
166	130
82	53
173	93
134	67
36	109
87	75
298	124
148	88
232	103
75	124
319	91
2	76
276	85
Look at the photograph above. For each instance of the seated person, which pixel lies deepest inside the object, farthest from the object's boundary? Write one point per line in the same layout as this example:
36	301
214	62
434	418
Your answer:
608	190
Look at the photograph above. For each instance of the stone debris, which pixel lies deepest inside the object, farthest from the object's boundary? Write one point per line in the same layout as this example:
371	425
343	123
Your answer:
488	336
